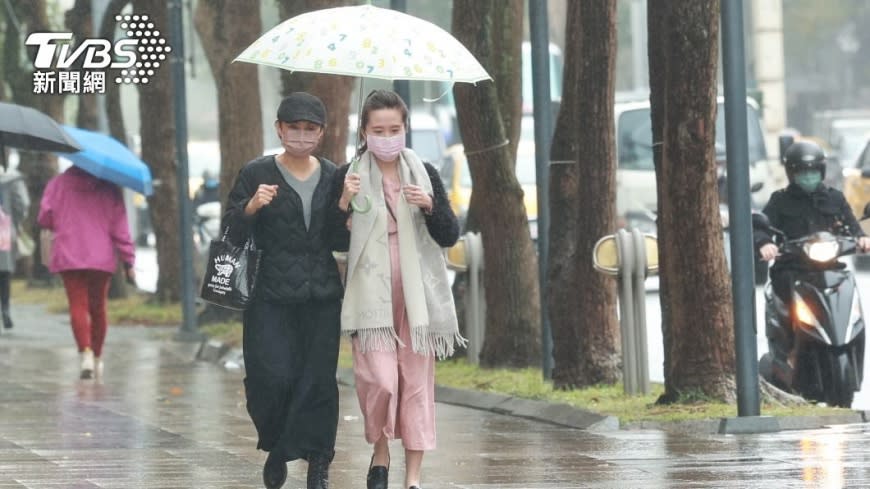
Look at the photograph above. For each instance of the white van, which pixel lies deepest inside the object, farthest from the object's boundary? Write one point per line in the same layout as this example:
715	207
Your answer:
635	175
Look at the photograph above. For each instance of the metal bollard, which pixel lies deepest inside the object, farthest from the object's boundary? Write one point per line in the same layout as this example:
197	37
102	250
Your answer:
624	255
467	256
641	266
475	307
626	310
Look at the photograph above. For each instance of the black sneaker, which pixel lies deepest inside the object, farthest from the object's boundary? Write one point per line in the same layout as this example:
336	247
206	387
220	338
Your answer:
274	472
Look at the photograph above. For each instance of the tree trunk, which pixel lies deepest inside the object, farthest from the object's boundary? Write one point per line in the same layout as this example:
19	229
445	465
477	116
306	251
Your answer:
334	90
508	53
513	310
698	336
585	328
114	113
157	131
79	21
225	29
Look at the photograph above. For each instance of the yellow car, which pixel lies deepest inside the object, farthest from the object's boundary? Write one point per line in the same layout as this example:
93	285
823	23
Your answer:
856	182
457	181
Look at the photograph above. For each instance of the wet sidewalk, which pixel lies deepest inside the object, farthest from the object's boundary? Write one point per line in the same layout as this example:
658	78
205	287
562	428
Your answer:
161	420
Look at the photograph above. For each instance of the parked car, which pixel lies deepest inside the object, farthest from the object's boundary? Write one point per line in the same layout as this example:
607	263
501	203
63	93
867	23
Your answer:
635	175
845	131
457	181
856	180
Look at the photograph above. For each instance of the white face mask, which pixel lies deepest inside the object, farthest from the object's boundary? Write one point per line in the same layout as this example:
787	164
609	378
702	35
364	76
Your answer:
300	142
386	148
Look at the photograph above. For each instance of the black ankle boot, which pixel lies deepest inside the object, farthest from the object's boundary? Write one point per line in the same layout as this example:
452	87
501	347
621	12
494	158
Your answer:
377	477
7	320
318	472
274	472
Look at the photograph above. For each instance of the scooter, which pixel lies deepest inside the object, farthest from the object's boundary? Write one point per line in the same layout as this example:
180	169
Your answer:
206	227
815	337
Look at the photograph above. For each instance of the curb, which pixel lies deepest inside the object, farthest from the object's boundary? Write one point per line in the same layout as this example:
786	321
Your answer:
750	424
214	351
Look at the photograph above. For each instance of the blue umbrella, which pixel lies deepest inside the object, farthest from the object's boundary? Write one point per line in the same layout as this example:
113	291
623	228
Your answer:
106	158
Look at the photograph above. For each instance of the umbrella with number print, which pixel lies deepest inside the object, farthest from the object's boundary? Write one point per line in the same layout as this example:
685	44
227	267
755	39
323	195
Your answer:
368	42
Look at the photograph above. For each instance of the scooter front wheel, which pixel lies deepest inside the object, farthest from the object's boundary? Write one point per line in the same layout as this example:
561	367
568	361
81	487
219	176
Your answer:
841	383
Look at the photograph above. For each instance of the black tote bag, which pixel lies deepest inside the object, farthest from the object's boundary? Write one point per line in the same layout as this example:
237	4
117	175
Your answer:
230	274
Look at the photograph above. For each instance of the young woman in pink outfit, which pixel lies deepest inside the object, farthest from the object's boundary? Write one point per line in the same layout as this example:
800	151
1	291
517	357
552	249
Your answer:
89	222
398	307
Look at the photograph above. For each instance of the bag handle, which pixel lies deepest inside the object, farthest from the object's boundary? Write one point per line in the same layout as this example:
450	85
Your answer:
249	243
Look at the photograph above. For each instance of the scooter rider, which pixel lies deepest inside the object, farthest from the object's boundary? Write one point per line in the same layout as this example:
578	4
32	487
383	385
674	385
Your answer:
804	207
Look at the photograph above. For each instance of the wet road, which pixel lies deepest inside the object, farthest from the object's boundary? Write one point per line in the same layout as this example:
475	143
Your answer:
161	420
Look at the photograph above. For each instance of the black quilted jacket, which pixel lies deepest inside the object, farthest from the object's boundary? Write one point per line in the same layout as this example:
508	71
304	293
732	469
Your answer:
297	264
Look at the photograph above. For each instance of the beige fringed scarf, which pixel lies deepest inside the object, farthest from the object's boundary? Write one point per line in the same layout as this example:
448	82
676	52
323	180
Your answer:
367	309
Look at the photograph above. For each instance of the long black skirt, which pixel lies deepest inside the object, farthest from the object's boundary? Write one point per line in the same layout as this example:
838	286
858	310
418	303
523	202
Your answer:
291	354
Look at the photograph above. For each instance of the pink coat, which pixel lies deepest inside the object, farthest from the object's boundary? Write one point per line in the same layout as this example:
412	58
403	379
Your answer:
89	222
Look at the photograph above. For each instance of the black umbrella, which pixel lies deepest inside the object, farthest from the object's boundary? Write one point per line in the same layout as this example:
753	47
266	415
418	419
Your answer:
27	128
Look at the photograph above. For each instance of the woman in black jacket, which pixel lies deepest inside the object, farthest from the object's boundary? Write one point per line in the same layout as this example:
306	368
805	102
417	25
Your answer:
288	203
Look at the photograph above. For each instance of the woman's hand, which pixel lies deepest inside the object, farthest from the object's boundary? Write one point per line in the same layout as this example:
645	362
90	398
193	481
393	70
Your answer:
864	244
262	197
352	184
415	195
130	274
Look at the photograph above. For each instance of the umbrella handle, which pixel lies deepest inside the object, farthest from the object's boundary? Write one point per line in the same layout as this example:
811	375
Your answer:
361	208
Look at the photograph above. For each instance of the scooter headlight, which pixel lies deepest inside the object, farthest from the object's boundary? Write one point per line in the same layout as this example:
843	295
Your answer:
803	313
822	251
807	320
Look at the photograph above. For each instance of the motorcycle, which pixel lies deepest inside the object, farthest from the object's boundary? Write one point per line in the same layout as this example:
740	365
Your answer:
816	337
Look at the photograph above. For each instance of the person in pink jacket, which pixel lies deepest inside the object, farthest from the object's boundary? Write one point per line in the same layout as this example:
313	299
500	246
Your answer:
89	222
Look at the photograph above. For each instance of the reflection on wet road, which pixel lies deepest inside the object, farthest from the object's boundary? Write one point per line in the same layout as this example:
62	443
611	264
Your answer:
161	420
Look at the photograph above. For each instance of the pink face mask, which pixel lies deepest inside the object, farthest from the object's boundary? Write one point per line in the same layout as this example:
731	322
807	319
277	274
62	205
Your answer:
386	148
300	142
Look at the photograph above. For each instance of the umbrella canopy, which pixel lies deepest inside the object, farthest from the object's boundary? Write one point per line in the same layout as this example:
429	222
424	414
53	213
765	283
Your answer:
368	42
106	158
27	128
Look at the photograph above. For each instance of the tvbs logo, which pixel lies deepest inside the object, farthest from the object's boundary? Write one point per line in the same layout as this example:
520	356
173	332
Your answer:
63	68
94	53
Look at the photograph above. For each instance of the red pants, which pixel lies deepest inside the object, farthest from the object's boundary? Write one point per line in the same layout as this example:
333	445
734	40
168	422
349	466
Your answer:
86	292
